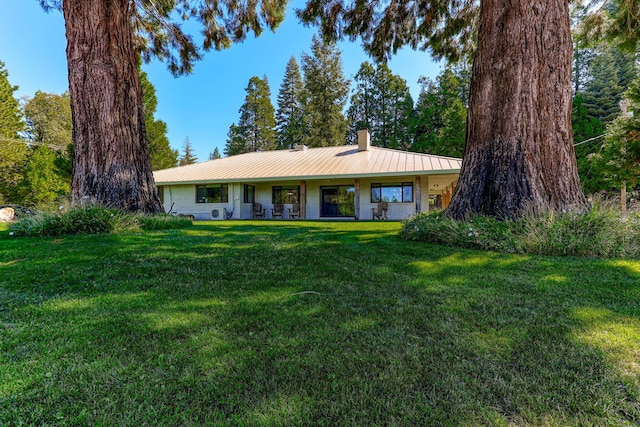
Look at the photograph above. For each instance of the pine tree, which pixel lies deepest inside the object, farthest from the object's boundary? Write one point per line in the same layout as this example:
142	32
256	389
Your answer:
603	91
13	151
215	155
326	92
188	157
361	112
257	117
235	142
291	124
161	154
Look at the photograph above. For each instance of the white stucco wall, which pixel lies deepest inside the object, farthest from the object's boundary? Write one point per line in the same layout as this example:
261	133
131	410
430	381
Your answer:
183	198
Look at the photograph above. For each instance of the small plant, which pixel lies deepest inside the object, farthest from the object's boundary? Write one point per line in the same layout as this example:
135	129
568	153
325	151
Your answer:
601	232
92	219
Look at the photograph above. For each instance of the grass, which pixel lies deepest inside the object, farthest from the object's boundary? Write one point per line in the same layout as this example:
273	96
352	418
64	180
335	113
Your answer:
311	324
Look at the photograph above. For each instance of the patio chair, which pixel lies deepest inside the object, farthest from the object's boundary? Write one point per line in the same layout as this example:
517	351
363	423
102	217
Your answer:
277	210
294	211
380	211
258	210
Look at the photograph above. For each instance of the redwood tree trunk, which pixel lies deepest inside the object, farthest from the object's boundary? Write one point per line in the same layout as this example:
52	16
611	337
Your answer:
111	163
519	152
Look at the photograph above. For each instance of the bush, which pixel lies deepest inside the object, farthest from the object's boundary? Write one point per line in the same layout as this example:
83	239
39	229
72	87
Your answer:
92	219
601	232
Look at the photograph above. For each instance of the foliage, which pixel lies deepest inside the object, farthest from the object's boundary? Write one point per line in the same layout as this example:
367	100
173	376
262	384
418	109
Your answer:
381	103
242	323
291	124
235	143
326	92
48	120
618	161
92	219
13	151
256	127
161	154
446	28
215	154
188	156
440	118
43	183
10	116
602	232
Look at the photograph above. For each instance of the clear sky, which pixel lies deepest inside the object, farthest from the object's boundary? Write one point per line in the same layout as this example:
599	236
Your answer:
200	106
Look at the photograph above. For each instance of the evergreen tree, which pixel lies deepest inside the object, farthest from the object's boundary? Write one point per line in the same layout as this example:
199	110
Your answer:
257	117
188	157
326	92
215	155
361	112
440	123
13	151
603	91
291	124
161	154
235	142
42	183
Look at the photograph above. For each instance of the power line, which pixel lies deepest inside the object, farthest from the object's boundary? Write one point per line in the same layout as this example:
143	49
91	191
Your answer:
588	140
31	143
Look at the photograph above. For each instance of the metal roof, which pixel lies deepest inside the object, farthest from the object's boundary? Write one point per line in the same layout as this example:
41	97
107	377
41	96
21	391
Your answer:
313	163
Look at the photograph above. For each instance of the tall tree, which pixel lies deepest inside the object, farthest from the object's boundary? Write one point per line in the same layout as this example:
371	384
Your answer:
215	155
188	156
291	123
326	92
43	183
48	120
111	154
161	154
235	142
519	150
13	151
382	103
257	116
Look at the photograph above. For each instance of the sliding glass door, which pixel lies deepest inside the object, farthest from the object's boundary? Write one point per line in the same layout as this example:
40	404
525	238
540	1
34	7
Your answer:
337	201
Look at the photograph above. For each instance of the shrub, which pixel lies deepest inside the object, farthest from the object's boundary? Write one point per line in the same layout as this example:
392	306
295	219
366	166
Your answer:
601	232
92	219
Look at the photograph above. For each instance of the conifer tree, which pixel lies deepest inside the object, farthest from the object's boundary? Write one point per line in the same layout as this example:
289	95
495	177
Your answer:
215	155
235	142
326	92
13	151
291	123
160	152
188	156
257	117
361	113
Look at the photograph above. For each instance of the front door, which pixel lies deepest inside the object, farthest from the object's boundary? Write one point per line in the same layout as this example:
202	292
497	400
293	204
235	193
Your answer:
337	201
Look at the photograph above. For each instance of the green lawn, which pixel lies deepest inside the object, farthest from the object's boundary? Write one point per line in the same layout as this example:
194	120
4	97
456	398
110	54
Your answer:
311	324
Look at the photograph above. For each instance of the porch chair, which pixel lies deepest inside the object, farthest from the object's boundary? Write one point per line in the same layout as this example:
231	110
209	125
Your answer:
258	210
294	211
380	211
277	210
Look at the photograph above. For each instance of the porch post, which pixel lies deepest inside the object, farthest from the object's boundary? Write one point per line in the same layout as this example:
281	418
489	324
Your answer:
303	199
418	194
356	200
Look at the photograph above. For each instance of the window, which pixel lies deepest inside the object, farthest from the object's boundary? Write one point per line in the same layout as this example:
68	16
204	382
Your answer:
392	192
249	193
212	193
286	194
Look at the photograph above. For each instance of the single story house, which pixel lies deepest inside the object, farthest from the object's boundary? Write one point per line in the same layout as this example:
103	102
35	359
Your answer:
344	182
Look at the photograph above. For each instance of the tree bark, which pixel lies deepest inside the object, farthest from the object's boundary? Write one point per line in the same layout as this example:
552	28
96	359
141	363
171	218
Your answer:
111	164
519	154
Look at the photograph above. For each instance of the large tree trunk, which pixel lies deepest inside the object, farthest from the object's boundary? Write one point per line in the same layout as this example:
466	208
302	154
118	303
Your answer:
519	152
111	164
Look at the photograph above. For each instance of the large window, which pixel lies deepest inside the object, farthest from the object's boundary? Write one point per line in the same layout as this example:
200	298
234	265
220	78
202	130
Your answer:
392	192
212	193
249	193
286	194
337	201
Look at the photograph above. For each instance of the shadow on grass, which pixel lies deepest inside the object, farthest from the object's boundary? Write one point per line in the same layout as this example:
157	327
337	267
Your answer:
308	323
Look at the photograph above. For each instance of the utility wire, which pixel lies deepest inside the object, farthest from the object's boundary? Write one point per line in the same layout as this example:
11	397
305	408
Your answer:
588	140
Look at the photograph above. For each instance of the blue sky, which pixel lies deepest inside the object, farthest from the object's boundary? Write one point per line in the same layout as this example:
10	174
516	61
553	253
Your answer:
200	106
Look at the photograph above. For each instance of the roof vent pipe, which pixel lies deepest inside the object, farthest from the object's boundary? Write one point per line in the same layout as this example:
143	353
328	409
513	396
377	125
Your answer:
364	140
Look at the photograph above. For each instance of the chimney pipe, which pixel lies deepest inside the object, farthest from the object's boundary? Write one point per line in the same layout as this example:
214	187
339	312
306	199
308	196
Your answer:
364	140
